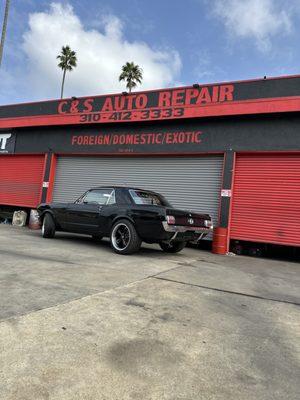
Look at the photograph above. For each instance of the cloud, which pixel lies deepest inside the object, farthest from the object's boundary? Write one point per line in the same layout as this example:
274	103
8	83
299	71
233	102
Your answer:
100	53
204	70
254	19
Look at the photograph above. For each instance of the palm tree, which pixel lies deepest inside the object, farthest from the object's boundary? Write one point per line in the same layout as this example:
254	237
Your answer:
132	74
67	61
5	19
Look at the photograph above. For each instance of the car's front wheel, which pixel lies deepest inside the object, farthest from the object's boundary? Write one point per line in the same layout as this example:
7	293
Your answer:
124	238
48	226
173	247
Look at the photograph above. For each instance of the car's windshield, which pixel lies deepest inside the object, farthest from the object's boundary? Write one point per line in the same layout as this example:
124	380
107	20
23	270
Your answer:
148	198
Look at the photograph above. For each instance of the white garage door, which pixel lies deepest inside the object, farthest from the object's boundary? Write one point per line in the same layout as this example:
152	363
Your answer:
191	183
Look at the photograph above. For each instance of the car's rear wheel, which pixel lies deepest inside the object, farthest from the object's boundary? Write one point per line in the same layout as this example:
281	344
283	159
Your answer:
48	226
124	238
173	247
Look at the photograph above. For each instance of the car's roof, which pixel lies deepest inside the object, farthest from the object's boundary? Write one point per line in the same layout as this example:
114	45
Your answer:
122	187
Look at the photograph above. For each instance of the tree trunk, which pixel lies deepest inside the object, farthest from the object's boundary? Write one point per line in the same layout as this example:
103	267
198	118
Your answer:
4	29
63	84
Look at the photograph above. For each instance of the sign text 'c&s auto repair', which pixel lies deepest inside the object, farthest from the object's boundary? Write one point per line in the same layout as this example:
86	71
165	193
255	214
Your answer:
167	104
253	97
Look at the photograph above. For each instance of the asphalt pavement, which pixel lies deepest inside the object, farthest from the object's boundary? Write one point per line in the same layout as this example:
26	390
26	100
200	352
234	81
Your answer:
80	322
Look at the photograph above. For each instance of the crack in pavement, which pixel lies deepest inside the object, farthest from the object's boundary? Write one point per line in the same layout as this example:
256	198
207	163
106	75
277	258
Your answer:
226	291
157	277
23	256
97	292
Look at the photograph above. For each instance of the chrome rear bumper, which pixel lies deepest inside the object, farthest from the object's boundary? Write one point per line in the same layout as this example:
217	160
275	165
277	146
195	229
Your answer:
182	229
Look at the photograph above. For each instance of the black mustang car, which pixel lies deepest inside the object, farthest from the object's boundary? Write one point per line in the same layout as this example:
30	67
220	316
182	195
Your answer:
128	216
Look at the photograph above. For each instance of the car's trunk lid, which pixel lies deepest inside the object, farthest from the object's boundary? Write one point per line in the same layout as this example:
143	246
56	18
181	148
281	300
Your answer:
187	218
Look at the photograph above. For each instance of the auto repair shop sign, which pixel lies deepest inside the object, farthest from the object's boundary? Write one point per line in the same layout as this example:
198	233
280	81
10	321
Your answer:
127	107
7	142
236	98
168	104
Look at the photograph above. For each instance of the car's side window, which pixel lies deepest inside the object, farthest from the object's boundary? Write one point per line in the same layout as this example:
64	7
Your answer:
100	196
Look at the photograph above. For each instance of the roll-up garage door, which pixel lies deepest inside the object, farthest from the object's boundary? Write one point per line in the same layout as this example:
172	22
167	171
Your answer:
266	199
21	180
187	182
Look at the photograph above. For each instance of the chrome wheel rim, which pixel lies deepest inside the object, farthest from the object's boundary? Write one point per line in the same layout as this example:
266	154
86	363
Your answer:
121	237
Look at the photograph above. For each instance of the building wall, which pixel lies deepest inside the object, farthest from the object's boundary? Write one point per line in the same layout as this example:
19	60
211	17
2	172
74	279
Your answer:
227	136
265	133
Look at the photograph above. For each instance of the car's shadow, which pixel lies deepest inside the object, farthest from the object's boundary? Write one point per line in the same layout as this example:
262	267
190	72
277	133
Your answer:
104	244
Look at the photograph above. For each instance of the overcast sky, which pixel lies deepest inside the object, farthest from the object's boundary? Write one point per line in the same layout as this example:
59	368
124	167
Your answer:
176	42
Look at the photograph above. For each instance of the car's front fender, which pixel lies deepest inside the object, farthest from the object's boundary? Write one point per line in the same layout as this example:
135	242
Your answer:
46	209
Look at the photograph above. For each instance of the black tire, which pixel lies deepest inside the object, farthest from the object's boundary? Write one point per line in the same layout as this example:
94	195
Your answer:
124	238
97	238
255	252
173	247
48	226
237	249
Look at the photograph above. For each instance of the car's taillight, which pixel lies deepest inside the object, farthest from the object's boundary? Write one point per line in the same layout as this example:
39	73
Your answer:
208	223
170	219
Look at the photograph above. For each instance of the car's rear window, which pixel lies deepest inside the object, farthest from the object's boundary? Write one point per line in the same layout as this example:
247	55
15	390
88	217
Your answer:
147	198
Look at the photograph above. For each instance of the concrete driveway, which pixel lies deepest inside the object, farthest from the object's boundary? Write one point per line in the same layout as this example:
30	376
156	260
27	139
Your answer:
80	322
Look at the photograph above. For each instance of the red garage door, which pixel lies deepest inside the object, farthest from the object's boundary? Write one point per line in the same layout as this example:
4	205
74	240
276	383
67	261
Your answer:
21	180
266	199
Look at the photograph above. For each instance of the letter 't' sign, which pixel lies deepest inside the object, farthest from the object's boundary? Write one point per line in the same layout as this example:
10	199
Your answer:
7	143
